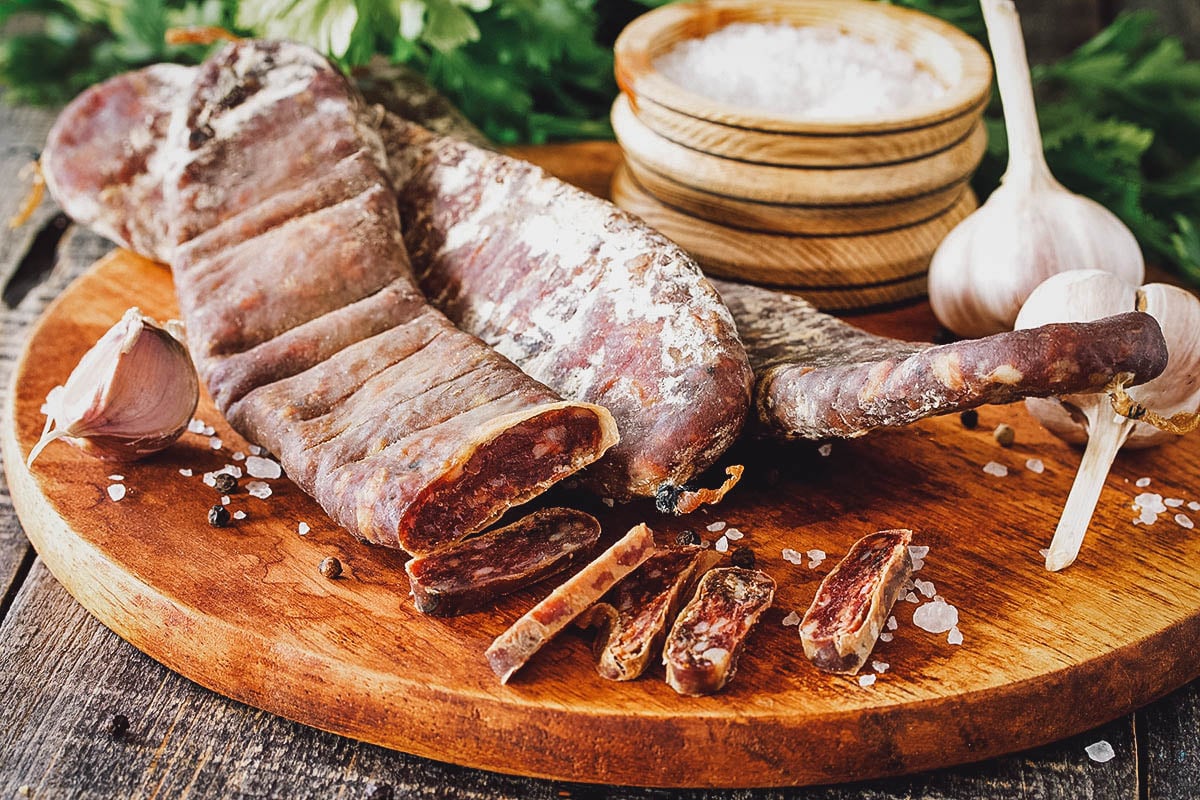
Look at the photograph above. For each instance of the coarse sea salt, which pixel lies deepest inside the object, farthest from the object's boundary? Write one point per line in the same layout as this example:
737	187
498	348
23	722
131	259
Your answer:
1035	465
715	526
1184	521
239	456
792	556
825	449
215	443
955	636
116	477
936	617
259	467
239	515
892	623
722	545
1100	751
1170	502
185	472
196	426
925	587
258	489
1142	483
303	529
995	468
815	72
733	534
886	636
791	619
116	492
866	680
880	666
1194	506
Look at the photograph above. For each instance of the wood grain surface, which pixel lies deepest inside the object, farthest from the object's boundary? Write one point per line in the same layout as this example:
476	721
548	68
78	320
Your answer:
243	610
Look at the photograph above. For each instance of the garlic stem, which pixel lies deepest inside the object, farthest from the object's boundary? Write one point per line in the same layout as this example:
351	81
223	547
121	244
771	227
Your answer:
1105	437
1026	161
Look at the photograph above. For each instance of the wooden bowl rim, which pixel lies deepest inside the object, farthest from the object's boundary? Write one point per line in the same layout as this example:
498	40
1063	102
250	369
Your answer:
641	41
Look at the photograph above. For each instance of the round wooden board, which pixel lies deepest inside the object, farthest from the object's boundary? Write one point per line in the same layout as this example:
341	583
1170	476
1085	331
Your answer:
243	611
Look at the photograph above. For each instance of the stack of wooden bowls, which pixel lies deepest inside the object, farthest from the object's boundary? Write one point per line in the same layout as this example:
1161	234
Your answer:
846	213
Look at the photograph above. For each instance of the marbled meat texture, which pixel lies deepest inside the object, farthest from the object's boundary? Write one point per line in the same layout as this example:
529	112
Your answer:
513	648
583	296
818	377
840	628
471	574
633	617
702	650
303	316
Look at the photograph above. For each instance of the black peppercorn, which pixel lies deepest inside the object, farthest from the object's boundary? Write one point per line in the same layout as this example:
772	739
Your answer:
742	557
687	537
225	483
118	726
330	567
218	516
969	419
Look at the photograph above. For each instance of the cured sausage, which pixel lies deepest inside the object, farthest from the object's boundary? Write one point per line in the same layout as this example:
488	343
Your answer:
840	628
818	377
470	574
702	650
515	646
303	316
632	618
583	296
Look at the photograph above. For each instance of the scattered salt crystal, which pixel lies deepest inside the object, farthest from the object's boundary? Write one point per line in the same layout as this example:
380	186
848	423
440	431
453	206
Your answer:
255	450
230	469
258	489
722	545
239	456
215	443
239	515
911	598
1035	465
224	499
917	564
866	680
886	637
1101	751
1142	483
116	477
1170	502
891	623
733	534
258	467
196	426
935	617
880	666
792	557
825	449
608	501
716	526
1194	506
995	468
816	555
924	587
187	473
814	71
116	491
209	430
791	619
1184	521
210	479
955	636
918	550
303	529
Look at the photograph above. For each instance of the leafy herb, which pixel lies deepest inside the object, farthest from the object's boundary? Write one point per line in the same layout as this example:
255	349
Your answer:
1120	116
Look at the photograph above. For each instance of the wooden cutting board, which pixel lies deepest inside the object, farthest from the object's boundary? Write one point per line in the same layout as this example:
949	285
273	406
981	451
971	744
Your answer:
243	610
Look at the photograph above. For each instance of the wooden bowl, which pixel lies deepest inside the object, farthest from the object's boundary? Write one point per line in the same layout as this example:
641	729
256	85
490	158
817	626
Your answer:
706	125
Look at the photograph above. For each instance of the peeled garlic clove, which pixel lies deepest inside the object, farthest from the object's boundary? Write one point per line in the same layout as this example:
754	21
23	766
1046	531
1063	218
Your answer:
131	395
1031	227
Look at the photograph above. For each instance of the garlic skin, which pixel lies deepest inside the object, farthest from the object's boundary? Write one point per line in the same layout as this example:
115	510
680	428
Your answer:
1031	227
1085	295
131	395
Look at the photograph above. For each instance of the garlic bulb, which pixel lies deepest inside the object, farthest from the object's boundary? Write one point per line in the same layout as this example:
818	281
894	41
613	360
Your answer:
131	395
1031	227
1081	296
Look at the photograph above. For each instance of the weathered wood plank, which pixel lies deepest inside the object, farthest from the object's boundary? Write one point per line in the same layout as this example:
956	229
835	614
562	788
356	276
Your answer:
65	677
1169	746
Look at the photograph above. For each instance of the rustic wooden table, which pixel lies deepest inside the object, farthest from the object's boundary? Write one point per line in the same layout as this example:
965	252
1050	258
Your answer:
68	684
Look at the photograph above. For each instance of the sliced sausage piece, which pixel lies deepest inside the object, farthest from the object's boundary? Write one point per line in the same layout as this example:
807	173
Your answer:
633	616
583	296
845	619
818	377
469	575
702	650
515	646
306	324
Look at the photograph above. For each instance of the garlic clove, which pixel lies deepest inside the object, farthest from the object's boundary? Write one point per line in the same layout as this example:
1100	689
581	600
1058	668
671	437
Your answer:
1178	388
1031	227
132	394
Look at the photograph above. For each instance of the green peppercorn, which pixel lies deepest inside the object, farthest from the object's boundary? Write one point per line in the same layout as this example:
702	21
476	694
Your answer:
218	516
330	567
